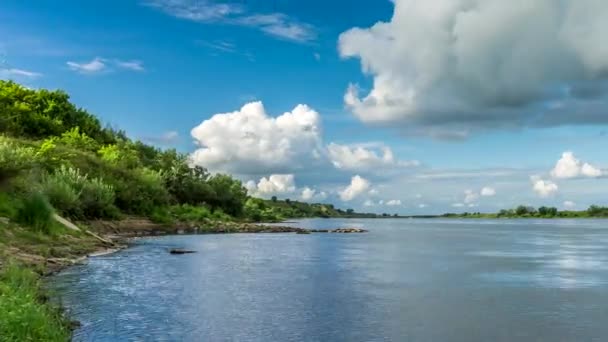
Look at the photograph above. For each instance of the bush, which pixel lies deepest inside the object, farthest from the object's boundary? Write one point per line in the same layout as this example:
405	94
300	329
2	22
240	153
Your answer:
61	194
36	212
76	195
25	317
190	213
97	199
14	159
139	191
7	206
161	215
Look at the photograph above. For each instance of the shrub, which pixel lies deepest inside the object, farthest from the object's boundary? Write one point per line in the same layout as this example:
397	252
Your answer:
161	215
76	195
7	206
61	195
97	199
14	159
190	213
141	190
36	212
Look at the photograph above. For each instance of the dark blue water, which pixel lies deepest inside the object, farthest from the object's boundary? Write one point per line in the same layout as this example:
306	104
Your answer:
405	280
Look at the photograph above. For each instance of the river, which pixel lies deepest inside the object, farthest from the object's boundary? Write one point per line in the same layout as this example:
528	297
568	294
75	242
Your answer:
405	280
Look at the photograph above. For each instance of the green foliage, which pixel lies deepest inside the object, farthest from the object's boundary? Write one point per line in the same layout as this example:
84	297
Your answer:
42	113
35	212
190	213
257	210
230	194
7	206
25	316
76	195
14	159
120	154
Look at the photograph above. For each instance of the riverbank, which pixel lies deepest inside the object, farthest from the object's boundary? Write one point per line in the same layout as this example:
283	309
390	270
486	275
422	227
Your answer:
27	256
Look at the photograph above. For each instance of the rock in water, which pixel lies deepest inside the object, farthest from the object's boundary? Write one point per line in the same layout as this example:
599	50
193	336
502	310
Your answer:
180	251
348	230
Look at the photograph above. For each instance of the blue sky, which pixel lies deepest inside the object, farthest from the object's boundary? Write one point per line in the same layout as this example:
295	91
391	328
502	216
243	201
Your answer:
452	98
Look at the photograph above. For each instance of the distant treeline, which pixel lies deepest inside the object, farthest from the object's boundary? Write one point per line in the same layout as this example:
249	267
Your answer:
540	212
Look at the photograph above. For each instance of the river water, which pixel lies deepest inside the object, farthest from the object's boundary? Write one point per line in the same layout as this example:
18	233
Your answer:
405	280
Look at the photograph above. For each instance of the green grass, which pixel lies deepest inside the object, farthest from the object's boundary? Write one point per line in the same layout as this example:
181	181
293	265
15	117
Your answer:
24	313
36	212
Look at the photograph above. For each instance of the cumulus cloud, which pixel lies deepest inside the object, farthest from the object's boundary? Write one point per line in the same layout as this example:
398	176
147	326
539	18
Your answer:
278	25
447	68
543	188
487	191
309	194
358	186
393	203
276	184
249	141
362	158
568	166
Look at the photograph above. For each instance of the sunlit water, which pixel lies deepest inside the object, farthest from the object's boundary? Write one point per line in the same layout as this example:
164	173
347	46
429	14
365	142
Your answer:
405	280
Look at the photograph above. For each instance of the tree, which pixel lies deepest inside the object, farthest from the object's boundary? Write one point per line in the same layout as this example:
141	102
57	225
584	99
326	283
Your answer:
273	198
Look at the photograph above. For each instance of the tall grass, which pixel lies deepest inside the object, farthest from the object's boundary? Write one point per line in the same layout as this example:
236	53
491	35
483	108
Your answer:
35	212
76	195
24	316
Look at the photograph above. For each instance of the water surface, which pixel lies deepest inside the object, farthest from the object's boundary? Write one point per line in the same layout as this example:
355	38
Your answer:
405	280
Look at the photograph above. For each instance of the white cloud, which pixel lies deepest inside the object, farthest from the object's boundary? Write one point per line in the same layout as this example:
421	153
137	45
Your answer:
487	191
11	73
276	184
589	170
312	194
248	141
99	65
458	205
278	25
422	205
568	166
95	66
393	203
543	188
446	68
361	158
308	193
569	204
134	65
470	196
358	186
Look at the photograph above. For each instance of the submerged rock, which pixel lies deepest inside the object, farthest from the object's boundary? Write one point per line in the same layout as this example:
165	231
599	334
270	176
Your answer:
180	251
348	230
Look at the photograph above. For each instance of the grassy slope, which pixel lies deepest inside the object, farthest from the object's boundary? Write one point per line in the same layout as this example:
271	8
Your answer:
24	313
